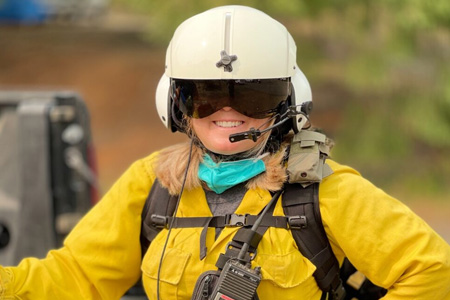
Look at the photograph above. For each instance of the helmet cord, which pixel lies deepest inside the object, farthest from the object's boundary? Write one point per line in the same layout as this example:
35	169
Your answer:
171	223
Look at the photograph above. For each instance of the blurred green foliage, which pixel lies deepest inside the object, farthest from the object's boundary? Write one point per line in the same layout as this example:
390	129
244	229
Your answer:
165	16
385	67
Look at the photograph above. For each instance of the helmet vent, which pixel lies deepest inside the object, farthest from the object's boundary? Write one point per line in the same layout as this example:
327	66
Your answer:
225	59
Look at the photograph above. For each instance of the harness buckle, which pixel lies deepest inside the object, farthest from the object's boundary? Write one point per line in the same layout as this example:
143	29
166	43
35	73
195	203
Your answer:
236	220
297	222
158	221
339	292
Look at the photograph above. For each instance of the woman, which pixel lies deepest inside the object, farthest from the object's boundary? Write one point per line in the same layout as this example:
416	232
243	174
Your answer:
232	85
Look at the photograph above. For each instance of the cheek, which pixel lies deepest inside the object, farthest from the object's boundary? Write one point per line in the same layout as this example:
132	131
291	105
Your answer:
212	139
260	123
200	127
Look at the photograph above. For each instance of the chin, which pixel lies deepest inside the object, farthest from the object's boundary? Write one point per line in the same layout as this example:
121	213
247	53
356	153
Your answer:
231	148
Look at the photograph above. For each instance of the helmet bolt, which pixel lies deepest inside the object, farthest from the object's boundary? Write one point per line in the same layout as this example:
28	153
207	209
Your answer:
225	61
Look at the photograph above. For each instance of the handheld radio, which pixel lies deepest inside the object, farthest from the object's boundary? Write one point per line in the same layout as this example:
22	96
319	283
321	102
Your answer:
237	282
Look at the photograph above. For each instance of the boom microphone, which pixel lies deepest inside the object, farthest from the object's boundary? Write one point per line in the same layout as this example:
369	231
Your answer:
254	134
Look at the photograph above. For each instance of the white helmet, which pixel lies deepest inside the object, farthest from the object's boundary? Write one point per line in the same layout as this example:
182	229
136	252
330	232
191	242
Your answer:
231	43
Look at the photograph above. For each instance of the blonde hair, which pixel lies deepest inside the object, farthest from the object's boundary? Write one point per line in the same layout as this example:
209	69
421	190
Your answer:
172	163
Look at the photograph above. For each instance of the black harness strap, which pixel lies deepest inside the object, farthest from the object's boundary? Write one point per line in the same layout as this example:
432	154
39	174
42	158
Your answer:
159	202
231	220
303	204
246	235
301	208
160	206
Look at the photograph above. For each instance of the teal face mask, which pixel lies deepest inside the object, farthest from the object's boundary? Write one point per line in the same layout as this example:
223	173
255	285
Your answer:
221	176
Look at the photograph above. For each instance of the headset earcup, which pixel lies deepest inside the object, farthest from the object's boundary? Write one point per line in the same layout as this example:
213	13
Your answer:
300	93
163	101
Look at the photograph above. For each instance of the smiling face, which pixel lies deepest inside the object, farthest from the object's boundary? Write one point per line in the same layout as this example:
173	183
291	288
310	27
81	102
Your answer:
215	129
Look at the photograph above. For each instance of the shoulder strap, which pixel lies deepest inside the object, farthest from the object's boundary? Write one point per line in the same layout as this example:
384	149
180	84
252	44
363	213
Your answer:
302	203
160	203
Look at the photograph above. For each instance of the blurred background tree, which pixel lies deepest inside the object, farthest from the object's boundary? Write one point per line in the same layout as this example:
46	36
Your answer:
379	73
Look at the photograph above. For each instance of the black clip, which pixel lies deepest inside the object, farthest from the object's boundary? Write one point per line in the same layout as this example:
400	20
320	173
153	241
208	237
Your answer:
253	134
158	221
297	222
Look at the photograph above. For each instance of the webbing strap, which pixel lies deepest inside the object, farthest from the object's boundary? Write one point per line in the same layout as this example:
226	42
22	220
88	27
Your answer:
159	208
234	247
246	235
230	220
301	207
246	240
158	202
312	239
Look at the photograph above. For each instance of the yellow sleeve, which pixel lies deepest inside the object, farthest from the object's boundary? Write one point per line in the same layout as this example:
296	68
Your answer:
100	258
383	238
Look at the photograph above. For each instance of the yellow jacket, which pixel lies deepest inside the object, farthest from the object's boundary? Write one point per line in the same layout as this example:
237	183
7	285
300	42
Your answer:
101	258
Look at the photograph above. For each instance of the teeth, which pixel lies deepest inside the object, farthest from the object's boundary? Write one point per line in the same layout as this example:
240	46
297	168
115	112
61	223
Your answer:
228	124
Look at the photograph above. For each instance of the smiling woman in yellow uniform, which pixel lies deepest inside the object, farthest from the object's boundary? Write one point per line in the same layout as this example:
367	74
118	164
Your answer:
232	84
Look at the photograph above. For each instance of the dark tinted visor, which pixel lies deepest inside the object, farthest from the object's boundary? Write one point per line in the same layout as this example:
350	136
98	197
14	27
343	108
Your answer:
257	98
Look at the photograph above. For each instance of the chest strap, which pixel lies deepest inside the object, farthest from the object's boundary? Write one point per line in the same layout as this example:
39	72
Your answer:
229	220
245	242
159	208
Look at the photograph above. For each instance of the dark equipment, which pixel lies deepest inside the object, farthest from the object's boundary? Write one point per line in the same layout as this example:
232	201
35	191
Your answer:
47	171
303	218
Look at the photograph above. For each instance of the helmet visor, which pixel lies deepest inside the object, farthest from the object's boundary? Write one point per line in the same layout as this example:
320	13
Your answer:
257	99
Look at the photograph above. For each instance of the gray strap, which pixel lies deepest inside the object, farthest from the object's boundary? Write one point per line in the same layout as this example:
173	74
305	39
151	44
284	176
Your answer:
232	220
203	249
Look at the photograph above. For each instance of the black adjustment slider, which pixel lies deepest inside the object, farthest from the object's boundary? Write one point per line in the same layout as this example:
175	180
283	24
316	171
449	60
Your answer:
158	221
297	222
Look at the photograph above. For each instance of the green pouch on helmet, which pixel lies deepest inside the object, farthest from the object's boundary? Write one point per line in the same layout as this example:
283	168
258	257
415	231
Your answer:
306	163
